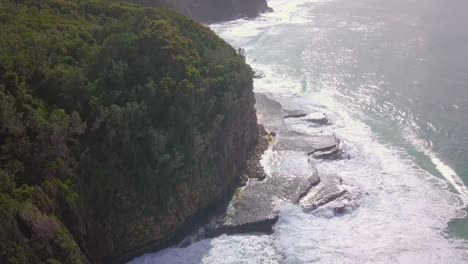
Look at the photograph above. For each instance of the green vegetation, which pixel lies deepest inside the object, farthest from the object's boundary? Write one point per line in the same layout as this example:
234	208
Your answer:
100	100
210	10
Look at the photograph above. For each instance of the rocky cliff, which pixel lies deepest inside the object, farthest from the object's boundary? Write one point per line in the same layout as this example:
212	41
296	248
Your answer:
218	160
118	123
212	10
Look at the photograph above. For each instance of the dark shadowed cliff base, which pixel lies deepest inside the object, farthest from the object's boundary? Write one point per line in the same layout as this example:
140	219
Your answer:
209	11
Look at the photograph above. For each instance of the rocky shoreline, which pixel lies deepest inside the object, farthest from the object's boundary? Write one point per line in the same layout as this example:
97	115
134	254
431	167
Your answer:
253	169
255	206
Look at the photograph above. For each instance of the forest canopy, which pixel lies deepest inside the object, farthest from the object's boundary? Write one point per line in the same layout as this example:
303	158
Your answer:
96	96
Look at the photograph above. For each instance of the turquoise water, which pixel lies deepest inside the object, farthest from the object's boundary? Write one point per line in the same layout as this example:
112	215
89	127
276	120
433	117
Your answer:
392	77
399	66
411	58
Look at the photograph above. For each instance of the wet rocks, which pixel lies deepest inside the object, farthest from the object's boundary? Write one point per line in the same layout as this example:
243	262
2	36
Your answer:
254	207
294	114
345	205
340	209
327	147
317	147
291	178
253	168
270	113
291	140
317	118
329	189
220	226
258	75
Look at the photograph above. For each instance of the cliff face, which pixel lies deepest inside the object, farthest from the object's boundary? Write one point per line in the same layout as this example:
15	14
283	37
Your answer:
212	10
215	10
117	124
219	158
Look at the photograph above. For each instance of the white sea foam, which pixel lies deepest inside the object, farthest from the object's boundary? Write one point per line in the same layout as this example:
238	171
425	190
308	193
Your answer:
446	171
222	250
404	209
400	221
240	32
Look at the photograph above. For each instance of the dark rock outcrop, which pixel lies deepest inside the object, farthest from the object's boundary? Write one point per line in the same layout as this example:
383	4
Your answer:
253	169
254	208
329	189
270	114
331	197
210	11
274	118
291	179
295	114
318	147
327	148
316	118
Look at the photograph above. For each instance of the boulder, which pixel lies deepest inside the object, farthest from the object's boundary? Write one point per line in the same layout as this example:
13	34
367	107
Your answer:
254	208
329	189
318	147
317	118
294	114
328	147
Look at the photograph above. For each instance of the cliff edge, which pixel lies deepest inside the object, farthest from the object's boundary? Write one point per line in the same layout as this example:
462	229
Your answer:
118	123
210	11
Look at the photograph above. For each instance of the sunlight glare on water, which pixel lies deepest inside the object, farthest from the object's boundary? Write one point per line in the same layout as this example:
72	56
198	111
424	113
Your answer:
314	58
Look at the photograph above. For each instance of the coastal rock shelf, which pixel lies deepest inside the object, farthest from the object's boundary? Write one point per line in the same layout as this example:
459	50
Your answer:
331	196
272	116
291	179
328	147
316	118
295	114
254	207
318	147
329	189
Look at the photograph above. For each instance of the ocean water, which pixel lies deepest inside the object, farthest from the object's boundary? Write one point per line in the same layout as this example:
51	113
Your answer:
393	78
